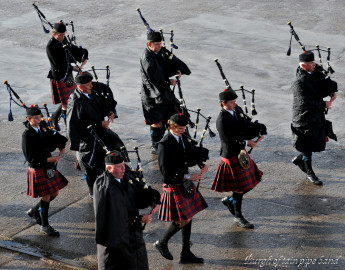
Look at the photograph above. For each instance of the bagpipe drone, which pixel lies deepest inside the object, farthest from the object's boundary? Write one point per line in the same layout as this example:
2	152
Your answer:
329	69
18	101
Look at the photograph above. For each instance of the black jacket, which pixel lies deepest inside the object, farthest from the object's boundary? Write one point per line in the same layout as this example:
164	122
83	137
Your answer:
157	99
118	221
174	161
38	148
233	133
308	119
60	61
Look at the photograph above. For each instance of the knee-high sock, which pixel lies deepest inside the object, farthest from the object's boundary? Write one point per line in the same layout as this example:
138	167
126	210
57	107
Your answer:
170	232
186	232
237	201
44	213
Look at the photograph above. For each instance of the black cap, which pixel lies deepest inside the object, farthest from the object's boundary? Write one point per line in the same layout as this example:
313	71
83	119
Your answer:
33	110
114	157
307	56
60	27
83	77
227	94
179	119
154	37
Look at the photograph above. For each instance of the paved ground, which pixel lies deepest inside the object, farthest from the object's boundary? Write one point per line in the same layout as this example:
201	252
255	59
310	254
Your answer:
297	225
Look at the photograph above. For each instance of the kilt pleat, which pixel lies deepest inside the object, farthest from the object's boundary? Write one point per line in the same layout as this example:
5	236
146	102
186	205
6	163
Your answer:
60	92
38	185
176	207
230	176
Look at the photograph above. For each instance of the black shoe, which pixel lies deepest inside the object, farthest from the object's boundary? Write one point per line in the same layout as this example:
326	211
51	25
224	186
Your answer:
163	250
242	222
298	162
48	230
189	257
229	205
314	179
31	213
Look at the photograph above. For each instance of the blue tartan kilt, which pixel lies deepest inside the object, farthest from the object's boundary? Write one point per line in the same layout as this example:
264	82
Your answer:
60	91
174	206
38	185
230	176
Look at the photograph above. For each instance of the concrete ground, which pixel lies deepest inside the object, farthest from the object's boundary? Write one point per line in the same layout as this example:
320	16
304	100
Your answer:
297	225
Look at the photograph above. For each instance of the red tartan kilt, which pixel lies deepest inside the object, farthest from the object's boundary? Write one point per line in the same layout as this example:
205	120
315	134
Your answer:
60	91
38	185
230	176
176	207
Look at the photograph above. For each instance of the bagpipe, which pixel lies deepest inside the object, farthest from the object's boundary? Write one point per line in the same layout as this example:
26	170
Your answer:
20	103
104	91
75	53
329	69
259	129
175	62
146	196
242	90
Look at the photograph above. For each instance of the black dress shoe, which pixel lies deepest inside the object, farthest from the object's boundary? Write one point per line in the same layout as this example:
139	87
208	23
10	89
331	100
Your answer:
314	179
242	222
229	205
298	162
163	250
32	214
50	231
189	257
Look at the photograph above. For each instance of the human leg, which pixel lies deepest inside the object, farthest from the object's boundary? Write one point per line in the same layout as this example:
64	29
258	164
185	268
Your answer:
186	255
162	244
239	219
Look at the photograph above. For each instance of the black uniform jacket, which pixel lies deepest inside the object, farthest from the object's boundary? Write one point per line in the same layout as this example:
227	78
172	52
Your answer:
174	161
81	113
233	133
60	62
308	120
115	208
37	148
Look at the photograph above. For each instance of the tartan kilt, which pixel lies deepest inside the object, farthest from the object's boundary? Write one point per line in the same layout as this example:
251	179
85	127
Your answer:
176	207
230	176
38	185
60	91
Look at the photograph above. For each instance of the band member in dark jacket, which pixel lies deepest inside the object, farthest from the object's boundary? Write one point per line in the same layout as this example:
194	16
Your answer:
119	230
236	131
87	107
60	74
38	141
309	126
158	101
175	154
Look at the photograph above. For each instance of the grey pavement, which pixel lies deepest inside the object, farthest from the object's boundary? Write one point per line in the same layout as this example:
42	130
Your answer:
297	225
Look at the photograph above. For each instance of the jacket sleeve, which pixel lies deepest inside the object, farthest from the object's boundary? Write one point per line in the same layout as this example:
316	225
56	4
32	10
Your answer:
74	124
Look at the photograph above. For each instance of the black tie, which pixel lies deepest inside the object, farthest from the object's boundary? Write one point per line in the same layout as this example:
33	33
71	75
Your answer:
39	132
235	115
180	142
90	96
